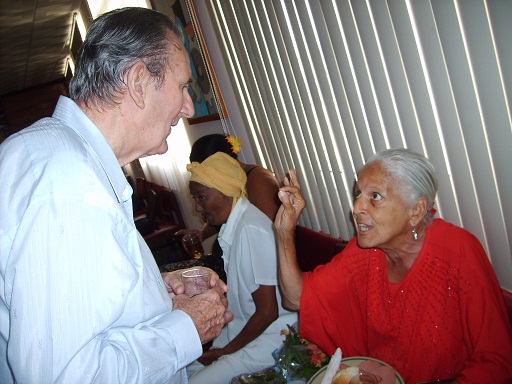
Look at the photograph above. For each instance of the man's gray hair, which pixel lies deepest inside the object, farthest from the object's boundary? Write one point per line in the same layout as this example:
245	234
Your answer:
115	41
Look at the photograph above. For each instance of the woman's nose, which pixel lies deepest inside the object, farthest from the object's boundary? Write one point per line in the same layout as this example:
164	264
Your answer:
358	206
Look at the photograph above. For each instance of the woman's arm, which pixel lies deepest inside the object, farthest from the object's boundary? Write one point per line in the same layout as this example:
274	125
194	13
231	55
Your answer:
487	330
266	313
290	275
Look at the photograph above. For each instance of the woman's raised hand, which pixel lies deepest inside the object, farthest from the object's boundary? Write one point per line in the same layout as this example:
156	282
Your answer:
292	204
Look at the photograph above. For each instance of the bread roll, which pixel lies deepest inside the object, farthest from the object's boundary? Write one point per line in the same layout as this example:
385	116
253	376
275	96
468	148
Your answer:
344	375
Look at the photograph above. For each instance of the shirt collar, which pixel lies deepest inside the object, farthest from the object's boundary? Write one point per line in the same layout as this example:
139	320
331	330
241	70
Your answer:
72	116
227	231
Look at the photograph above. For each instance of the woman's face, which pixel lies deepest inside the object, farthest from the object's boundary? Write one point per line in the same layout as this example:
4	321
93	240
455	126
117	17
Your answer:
213	205
381	212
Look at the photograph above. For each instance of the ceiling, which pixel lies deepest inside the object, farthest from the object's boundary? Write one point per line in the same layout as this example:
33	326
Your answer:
34	42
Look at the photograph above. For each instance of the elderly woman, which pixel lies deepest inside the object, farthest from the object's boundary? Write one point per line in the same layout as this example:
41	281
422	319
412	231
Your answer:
416	292
250	260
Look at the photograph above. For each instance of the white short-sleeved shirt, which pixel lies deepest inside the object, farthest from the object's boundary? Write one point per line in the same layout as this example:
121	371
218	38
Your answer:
82	299
250	259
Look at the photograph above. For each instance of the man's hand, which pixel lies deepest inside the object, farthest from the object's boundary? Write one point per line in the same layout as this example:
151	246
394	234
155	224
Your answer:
207	310
174	285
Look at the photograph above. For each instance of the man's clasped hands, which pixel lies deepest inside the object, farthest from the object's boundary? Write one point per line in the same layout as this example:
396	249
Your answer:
208	310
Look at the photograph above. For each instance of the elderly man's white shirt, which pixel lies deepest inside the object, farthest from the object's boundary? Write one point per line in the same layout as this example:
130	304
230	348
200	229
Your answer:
82	299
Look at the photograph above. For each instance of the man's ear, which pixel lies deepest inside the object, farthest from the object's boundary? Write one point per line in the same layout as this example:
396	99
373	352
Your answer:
137	80
418	211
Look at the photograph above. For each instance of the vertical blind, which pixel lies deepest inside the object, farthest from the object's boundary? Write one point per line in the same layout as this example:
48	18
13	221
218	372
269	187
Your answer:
324	84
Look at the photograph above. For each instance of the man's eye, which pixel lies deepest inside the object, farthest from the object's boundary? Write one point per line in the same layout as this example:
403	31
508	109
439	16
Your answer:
377	196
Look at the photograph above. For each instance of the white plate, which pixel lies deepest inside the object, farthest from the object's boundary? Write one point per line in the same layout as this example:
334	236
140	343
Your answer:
354	362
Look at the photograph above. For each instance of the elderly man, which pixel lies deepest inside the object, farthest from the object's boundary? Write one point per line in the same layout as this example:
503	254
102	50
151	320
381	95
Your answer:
82	299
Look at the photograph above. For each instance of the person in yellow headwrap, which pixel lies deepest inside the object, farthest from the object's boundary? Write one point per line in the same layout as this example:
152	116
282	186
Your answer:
222	173
250	259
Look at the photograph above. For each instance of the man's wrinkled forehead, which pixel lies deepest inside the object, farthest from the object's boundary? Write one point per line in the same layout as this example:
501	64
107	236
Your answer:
176	43
179	62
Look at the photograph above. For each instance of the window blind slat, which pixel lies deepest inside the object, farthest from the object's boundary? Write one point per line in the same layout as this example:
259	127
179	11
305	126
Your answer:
458	121
492	174
324	84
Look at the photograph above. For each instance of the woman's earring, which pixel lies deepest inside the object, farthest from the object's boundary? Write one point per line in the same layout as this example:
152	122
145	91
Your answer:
414	234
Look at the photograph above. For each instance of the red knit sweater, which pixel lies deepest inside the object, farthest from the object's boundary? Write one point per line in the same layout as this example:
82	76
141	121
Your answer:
446	319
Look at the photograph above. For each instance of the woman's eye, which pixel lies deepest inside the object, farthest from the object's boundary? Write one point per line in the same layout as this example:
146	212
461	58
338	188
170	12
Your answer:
376	196
357	194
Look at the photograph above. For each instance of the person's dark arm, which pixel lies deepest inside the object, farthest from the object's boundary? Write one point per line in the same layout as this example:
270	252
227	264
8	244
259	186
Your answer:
267	312
262	188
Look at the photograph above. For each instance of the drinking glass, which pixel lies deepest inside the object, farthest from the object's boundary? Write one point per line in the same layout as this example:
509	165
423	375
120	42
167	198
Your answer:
196	281
193	244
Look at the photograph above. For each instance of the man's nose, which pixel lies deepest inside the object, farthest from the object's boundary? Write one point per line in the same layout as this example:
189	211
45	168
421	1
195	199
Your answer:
188	106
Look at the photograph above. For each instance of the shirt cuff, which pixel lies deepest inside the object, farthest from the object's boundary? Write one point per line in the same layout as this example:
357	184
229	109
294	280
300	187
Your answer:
186	339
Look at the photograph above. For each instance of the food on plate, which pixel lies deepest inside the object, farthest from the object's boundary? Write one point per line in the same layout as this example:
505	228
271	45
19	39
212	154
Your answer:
360	370
369	371
345	375
332	367
385	373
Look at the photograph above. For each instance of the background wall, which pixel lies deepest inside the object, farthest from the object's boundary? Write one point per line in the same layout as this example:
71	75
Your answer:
234	120
21	109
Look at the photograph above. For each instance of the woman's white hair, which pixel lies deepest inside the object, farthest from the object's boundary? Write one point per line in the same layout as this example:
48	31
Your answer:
413	171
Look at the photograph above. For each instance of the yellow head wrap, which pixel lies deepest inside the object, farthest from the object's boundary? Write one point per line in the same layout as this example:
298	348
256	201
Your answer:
221	172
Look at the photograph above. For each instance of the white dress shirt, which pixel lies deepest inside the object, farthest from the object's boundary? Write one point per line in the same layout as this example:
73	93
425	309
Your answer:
82	299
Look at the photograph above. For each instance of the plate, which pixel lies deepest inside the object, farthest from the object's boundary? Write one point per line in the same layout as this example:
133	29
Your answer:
354	362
